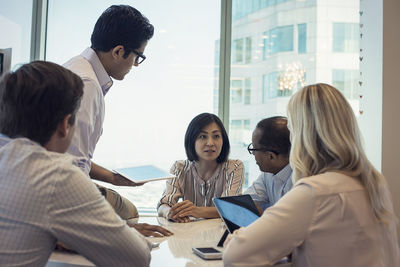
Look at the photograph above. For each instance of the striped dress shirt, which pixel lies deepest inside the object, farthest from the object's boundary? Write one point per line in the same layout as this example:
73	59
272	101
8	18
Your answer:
188	185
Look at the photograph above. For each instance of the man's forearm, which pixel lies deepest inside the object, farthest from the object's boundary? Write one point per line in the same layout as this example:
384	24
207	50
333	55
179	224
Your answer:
102	174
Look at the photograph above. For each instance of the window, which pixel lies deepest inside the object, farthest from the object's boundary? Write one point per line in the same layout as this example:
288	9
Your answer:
147	114
241	50
237	49
278	40
236	91
272	85
347	82
235	133
240	131
345	37
247	91
248	50
302	38
292	27
242	8
15	29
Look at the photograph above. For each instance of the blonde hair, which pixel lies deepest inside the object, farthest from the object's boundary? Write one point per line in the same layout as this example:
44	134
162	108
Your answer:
325	137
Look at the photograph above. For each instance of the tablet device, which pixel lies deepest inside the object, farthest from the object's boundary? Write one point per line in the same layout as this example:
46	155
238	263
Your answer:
236	211
144	174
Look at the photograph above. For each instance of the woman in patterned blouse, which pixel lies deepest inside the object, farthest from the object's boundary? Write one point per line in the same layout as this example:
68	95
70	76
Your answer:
207	172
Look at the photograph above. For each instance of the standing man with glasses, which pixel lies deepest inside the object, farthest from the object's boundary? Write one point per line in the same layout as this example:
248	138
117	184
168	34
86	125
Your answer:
118	40
270	147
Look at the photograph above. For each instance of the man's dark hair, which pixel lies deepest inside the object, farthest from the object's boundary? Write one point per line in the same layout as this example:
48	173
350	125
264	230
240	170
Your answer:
195	126
275	134
121	25
35	98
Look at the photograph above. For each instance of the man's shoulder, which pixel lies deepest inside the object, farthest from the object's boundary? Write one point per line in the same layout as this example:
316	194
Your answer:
22	153
82	67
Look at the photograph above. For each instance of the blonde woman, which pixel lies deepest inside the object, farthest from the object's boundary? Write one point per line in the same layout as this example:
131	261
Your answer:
339	212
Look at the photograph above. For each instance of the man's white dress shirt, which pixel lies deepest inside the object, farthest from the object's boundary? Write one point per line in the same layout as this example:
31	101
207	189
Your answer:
90	116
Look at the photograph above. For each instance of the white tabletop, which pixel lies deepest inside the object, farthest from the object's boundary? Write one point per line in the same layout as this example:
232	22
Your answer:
175	250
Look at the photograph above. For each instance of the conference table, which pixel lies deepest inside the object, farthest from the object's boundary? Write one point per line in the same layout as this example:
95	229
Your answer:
175	250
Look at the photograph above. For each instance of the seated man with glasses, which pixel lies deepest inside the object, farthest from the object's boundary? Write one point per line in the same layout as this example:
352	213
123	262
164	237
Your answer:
271	147
119	39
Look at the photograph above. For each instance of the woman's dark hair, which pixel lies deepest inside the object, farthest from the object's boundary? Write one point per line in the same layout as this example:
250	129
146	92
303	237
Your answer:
121	25
275	134
195	126
35	98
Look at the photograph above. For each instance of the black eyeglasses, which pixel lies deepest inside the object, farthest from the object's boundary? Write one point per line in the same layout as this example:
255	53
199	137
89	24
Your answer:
140	57
251	149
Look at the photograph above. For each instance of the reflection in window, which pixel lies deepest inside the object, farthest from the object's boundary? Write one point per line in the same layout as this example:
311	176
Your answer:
345	37
283	83
302	38
347	82
277	40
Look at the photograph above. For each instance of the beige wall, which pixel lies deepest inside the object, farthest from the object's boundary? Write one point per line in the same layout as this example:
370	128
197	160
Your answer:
391	99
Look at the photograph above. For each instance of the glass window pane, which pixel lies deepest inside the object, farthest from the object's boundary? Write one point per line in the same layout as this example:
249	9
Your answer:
345	37
294	48
347	82
281	39
247	91
15	29
236	91
238	51
302	38
248	50
148	112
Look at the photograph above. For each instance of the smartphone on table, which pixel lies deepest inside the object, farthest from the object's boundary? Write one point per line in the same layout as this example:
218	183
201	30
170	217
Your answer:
208	253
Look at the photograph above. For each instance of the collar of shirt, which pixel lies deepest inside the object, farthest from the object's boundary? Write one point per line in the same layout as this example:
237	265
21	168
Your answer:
102	75
210	180
284	174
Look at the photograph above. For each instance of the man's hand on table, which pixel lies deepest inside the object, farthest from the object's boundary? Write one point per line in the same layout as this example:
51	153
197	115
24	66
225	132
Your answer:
151	230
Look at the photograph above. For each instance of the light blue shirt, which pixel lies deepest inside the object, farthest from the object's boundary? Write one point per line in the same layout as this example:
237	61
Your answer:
269	188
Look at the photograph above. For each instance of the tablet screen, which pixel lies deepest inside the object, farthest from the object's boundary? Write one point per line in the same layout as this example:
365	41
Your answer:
236	211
